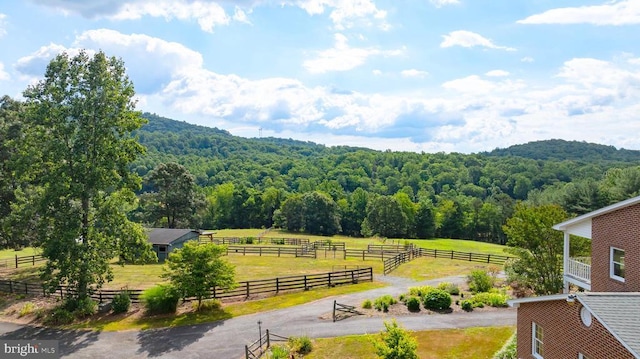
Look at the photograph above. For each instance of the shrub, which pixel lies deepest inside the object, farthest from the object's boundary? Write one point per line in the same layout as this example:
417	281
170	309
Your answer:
466	305
449	288
480	281
420	291
160	299
413	304
249	240
509	349
403	298
383	303
301	345
491	299
59	316
367	304
121	302
279	352
208	305
27	309
437	299
85	308
395	343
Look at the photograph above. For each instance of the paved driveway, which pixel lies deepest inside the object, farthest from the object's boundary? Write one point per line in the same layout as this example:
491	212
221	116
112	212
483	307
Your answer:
226	339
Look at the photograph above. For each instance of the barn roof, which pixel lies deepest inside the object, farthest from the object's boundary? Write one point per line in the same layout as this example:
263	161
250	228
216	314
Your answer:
168	235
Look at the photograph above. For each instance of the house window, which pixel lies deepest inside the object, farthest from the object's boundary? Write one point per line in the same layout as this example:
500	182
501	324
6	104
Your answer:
162	249
617	264
537	339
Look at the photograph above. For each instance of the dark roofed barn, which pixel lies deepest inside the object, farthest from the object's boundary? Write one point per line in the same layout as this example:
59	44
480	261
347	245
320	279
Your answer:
164	240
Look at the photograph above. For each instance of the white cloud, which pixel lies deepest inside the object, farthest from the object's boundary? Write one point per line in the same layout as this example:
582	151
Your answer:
497	73
528	59
414	73
3	31
4	76
342	57
470	39
635	61
346	13
376	72
207	14
441	3
612	13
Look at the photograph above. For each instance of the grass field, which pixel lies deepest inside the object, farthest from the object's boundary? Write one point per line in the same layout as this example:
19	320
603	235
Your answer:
470	343
11	254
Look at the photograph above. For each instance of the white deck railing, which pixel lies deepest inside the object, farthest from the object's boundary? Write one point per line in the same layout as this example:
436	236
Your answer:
580	268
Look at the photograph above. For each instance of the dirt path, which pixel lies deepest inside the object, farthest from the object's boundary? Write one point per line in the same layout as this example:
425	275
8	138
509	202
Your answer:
226	339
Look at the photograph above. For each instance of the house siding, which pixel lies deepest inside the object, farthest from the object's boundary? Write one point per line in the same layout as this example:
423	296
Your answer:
564	334
620	229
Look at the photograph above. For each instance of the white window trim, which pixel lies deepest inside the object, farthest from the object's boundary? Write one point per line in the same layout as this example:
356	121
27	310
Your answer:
611	266
535	340
582	356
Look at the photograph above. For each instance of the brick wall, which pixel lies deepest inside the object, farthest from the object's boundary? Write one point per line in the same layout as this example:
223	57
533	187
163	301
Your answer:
564	334
620	229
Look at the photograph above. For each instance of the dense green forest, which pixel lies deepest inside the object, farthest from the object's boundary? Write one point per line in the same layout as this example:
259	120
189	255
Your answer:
201	177
263	182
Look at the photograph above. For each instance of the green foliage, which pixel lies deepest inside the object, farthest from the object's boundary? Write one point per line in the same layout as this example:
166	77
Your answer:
395	343
208	305
278	352
413	304
466	305
312	212
385	218
509	350
436	299
539	248
26	309
449	288
420	291
493	299
59	316
175	198
384	302
160	299
195	269
121	302
367	304
84	307
480	281
301	345
79	123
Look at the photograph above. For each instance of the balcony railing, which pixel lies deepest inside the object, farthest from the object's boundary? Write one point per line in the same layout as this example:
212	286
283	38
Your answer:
580	268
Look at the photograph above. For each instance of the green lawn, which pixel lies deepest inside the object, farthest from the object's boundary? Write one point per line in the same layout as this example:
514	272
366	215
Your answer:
470	343
11	254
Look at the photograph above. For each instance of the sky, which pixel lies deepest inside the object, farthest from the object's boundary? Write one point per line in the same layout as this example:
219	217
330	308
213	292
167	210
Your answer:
405	75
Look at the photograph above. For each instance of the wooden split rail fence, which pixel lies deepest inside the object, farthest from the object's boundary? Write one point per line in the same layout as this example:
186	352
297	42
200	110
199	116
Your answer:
258	348
343	311
21	261
304	251
390	264
243	290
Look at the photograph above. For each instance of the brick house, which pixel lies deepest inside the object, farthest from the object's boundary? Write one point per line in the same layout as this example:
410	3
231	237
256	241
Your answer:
604	320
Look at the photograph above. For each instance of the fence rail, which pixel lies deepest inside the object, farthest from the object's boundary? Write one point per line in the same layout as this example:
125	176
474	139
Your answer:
256	349
364	254
257	240
465	256
21	261
343	311
303	251
243	290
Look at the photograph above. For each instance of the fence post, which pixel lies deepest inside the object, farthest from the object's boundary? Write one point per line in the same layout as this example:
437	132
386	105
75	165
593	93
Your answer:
329	279
451	254
100	297
363	255
246	351
489	258
16	261
33	260
277	284
214	292
469	256
247	289
345	253
305	282
268	340
334	311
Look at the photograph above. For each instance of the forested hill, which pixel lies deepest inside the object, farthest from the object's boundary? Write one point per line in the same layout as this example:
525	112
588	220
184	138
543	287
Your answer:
568	150
253	183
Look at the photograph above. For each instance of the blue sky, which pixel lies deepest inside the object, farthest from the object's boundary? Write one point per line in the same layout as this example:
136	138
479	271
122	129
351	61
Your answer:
410	75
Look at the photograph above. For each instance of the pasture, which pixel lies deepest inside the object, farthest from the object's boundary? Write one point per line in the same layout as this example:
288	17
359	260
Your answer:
470	343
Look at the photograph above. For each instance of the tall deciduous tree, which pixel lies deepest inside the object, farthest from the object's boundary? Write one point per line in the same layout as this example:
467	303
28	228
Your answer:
385	218
82	118
196	268
175	199
538	246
